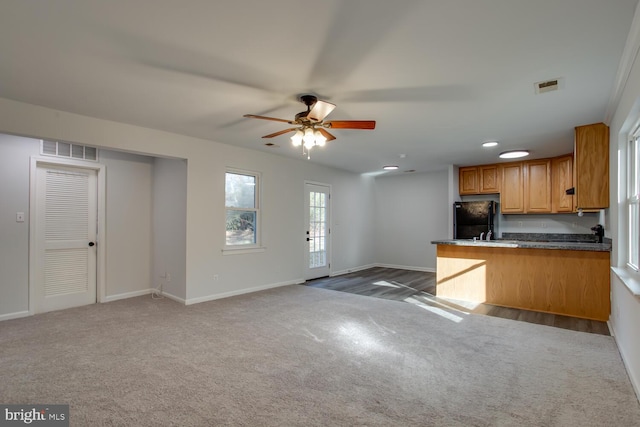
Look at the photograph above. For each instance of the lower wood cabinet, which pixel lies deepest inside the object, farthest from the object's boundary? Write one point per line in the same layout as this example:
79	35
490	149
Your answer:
568	282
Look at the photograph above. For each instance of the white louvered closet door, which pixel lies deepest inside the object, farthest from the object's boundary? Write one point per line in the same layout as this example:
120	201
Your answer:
66	226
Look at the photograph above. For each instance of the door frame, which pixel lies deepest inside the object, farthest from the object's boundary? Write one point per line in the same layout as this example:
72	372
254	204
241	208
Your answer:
305	225
101	240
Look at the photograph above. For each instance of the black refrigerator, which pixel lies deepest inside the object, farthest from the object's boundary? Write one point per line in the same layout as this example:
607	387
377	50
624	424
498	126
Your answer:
470	219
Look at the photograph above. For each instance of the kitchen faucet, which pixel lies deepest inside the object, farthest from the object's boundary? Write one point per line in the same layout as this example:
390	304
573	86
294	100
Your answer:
481	235
489	234
598	230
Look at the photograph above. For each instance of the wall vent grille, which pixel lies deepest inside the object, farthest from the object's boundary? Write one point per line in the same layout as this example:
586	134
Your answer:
548	86
68	150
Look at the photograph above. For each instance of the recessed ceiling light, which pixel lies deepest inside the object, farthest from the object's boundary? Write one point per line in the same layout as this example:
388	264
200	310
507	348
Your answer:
390	168
514	154
489	144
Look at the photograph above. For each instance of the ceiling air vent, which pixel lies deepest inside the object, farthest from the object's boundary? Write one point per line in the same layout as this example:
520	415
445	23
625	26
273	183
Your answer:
547	86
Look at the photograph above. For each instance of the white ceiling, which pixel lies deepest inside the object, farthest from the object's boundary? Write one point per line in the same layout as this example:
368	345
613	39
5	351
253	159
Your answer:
438	76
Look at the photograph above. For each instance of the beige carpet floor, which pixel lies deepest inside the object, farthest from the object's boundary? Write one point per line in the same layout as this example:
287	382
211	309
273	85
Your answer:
299	356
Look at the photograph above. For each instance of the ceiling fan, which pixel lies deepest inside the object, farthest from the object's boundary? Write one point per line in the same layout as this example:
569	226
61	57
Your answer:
311	128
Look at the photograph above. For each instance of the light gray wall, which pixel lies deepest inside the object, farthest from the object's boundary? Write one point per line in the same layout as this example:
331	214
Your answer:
170	226
541	223
556	223
128	223
14	236
282	262
625	307
411	211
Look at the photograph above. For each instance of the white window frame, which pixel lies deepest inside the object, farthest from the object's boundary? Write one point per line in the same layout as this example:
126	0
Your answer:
633	200
257	246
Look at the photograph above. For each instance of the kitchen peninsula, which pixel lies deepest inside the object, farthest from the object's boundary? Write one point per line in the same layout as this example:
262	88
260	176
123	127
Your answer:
567	278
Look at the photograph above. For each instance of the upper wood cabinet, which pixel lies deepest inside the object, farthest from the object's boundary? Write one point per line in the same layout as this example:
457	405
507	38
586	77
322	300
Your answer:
591	166
489	179
479	180
561	181
468	180
512	188
537	186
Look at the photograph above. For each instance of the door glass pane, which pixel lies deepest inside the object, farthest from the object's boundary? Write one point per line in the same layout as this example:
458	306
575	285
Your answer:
317	230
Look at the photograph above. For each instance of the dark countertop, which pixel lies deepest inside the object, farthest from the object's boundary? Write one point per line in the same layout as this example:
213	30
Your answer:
528	244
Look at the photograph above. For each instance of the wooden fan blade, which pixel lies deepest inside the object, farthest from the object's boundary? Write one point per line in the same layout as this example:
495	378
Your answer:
352	124
253	116
327	134
320	110
271	135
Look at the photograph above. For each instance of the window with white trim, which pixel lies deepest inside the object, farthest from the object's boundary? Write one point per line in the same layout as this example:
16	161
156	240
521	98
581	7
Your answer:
242	203
633	200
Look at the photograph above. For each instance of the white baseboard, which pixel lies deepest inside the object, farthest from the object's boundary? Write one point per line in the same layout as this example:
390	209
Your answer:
635	382
173	297
16	315
144	292
407	267
126	295
366	267
197	300
352	270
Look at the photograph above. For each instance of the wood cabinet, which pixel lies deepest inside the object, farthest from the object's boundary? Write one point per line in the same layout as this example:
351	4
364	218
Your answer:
512	188
591	166
537	186
478	180
561	181
489	179
468	180
571	283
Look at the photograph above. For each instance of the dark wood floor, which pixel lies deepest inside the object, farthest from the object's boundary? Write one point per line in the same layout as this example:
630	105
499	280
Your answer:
419	287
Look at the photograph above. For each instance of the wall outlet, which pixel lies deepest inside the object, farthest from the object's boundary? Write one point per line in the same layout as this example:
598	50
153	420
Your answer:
520	224
543	225
168	277
215	277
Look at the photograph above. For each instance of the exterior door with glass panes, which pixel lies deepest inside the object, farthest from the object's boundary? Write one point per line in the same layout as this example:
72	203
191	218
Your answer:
317	237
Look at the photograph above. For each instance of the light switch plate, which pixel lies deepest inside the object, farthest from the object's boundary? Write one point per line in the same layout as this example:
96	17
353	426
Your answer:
19	216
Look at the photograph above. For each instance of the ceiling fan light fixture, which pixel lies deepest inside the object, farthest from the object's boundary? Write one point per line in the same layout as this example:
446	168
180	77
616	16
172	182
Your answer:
321	140
310	127
308	137
296	139
514	154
